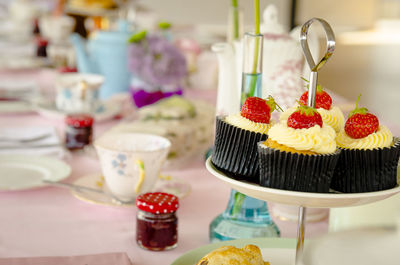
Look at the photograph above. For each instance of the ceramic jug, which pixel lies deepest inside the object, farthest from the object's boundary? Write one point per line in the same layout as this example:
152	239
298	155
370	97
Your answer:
229	57
283	65
283	61
105	53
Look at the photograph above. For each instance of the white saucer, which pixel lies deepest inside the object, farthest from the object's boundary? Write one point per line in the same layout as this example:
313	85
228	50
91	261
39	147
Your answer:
49	110
21	172
306	199
178	187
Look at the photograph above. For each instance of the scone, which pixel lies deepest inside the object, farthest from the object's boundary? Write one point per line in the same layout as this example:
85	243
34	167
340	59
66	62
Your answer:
300	154
236	137
369	157
331	115
229	255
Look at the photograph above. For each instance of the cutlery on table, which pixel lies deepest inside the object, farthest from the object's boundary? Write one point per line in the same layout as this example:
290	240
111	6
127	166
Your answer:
25	140
89	189
30	146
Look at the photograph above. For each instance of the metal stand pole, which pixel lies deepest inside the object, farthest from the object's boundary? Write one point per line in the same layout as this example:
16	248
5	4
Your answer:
300	235
312	90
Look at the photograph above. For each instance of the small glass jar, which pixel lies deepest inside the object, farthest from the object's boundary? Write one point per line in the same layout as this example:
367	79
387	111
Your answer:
78	133
41	47
157	223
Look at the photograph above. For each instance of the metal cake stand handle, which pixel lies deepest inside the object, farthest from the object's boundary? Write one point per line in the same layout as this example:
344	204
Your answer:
330	48
312	90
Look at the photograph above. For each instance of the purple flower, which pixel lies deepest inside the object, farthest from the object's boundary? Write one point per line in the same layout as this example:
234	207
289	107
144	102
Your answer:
157	61
136	55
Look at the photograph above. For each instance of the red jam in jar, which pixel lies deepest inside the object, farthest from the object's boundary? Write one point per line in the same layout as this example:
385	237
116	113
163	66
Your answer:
157	224
41	49
79	131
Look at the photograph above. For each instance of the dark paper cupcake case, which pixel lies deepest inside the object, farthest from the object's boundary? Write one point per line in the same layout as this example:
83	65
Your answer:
296	172
235	151
367	170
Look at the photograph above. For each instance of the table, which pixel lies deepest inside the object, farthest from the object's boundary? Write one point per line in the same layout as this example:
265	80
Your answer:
50	221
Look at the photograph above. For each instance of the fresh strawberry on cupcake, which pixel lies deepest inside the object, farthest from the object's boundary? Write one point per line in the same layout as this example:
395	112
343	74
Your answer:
331	115
237	135
369	157
300	153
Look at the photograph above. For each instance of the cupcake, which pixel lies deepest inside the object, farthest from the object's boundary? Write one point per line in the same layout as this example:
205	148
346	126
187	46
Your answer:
369	157
236	138
300	154
331	115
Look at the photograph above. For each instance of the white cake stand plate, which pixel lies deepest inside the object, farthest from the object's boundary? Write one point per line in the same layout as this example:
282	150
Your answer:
301	199
304	199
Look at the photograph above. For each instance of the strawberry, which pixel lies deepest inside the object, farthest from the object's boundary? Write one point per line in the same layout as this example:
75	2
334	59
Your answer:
322	99
258	109
361	123
304	117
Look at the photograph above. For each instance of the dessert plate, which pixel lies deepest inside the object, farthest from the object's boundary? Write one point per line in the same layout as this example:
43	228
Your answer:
7	107
21	172
278	251
166	184
305	199
108	111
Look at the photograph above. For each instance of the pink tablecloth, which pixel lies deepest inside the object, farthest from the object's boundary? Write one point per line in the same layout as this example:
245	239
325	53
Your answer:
51	222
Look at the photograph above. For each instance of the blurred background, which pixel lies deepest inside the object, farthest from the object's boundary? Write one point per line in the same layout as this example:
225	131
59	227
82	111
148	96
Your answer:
367	56
367	53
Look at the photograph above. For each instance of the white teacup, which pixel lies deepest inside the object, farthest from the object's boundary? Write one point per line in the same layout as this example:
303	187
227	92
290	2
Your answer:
131	162
77	92
56	28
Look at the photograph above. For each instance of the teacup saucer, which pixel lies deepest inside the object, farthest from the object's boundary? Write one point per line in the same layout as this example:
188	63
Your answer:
168	184
106	111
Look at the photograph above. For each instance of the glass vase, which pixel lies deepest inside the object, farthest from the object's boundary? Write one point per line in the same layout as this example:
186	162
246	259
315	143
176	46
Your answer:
252	66
249	220
244	216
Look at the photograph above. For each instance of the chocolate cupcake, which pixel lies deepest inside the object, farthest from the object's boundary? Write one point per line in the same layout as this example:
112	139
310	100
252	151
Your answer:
369	157
236	138
300	154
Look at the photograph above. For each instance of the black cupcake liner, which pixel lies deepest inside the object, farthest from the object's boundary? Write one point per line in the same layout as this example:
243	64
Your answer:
367	170
296	172
235	151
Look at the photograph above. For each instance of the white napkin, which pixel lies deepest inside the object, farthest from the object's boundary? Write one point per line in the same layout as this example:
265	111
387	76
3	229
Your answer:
20	140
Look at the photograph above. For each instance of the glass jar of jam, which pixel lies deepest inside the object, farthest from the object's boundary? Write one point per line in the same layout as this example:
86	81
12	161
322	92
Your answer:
157	223
78	133
41	47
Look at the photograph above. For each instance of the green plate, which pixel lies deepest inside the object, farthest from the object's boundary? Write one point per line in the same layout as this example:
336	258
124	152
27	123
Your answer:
281	250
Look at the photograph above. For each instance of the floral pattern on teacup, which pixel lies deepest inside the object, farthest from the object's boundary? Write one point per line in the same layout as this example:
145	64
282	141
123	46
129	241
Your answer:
119	163
67	93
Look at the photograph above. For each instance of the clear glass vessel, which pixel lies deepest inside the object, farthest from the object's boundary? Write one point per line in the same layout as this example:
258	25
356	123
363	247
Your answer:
156	232
246	217
251	220
252	66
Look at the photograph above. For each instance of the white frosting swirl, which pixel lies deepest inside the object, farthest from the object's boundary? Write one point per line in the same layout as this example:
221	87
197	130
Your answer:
382	138
241	122
333	117
317	139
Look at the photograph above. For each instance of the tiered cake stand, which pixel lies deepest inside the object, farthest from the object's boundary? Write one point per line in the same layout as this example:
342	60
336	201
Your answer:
301	199
306	199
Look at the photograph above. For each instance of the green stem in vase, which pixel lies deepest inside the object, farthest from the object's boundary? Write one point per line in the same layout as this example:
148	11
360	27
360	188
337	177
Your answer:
253	81
235	20
237	205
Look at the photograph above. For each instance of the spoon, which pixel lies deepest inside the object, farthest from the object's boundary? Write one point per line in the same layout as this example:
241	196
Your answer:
114	198
25	140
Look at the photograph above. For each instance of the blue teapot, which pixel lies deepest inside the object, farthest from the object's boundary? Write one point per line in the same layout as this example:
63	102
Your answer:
105	53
